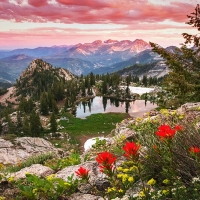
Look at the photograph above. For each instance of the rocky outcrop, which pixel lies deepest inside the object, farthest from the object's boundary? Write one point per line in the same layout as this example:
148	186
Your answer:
23	148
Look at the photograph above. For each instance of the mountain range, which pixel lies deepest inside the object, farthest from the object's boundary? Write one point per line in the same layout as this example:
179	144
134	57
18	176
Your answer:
98	57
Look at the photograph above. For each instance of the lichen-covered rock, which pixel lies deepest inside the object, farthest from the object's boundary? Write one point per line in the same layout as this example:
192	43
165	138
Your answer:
22	148
37	169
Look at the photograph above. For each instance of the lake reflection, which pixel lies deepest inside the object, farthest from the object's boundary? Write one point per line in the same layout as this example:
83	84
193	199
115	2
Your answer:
105	105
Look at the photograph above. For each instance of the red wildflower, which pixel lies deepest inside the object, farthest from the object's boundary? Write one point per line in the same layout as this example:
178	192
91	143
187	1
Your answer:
165	131
131	150
194	150
154	146
178	128
82	173
106	161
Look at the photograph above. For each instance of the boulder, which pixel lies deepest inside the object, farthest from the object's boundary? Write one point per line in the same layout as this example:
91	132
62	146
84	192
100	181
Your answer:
92	166
37	169
22	148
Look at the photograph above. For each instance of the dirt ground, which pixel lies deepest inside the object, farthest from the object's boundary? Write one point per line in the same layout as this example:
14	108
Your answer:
9	96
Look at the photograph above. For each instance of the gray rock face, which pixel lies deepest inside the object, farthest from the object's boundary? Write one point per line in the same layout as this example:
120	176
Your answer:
22	148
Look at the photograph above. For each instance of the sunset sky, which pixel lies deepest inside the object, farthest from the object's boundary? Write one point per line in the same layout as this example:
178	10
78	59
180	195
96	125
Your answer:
33	23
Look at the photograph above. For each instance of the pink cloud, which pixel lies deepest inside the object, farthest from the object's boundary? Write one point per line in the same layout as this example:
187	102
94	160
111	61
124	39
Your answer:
37	3
96	4
130	13
87	11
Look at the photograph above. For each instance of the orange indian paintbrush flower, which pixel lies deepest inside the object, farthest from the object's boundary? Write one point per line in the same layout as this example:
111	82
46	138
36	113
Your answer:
194	150
165	131
131	150
82	173
106	161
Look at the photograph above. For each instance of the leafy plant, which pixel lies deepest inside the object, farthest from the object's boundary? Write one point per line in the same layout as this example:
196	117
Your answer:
57	164
50	187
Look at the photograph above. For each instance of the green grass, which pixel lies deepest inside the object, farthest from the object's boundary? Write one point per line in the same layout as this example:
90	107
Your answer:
39	159
93	124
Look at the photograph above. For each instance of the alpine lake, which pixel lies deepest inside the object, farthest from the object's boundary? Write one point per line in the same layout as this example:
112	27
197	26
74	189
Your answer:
97	117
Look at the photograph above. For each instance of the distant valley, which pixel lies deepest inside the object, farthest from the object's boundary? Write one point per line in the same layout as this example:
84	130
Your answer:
97	57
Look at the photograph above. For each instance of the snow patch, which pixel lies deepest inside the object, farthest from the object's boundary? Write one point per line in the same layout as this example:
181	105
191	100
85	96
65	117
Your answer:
139	90
88	144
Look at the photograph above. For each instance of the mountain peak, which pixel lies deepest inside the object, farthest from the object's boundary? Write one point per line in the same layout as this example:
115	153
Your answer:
109	41
36	64
39	65
97	42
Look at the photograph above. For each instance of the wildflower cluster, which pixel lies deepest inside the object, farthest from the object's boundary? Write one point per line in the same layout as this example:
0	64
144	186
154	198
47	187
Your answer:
163	163
164	183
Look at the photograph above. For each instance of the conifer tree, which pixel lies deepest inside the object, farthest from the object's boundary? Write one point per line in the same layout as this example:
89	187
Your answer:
145	80
54	107
104	87
183	81
30	105
35	124
92	79
44	104
53	123
26	127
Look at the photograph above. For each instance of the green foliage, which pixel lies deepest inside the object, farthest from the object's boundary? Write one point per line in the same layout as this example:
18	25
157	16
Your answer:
183	82
44	104
99	143
35	124
58	164
53	123
25	105
26	126
50	188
